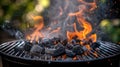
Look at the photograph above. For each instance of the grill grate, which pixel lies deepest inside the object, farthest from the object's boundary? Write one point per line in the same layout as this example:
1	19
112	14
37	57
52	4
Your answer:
106	50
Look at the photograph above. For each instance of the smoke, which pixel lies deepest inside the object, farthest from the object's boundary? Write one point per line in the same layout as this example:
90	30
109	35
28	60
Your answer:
57	14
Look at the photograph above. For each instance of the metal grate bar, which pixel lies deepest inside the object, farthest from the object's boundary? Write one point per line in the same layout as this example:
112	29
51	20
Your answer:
17	44
101	54
10	51
105	50
22	53
92	55
10	46
108	50
5	45
16	53
112	48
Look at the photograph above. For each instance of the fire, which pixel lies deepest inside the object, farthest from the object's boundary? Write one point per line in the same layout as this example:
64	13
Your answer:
54	29
71	26
39	25
87	28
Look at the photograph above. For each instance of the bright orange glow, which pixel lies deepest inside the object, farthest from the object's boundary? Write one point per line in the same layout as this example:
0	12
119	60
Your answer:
93	37
87	28
95	54
88	47
64	56
75	58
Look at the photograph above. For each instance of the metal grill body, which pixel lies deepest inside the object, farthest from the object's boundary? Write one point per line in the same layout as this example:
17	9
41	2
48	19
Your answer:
107	50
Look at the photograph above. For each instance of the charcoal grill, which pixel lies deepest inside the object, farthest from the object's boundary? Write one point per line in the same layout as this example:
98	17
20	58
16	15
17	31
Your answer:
7	49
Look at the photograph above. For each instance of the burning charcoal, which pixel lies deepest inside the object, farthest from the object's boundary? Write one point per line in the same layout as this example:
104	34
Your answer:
78	50
69	53
45	40
59	58
58	40
75	37
84	48
64	42
58	45
69	46
68	59
49	45
73	41
85	42
49	51
78	41
46	43
36	50
55	41
90	41
27	46
95	45
60	50
43	50
34	42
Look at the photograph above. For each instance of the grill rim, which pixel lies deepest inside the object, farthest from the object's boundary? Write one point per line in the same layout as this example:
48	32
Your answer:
55	61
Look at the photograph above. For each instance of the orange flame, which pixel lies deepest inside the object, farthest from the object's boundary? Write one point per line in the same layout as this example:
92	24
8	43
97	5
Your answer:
84	34
87	28
39	25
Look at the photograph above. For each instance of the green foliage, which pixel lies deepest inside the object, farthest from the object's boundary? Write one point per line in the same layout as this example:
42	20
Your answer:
112	29
14	9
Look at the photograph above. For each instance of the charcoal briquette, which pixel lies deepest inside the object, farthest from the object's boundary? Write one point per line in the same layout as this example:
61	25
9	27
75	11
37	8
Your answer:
49	50
78	50
69	46
95	45
27	46
59	51
36	49
70	53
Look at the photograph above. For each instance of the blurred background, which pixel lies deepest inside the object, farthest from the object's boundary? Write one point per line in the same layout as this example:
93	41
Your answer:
16	16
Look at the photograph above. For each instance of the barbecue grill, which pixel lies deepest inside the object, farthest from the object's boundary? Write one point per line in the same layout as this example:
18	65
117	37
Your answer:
7	50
